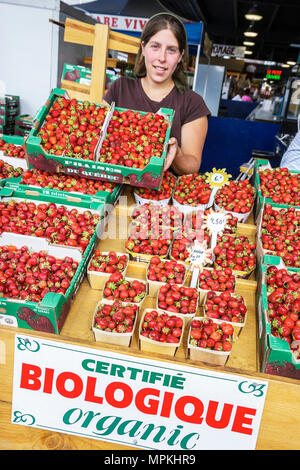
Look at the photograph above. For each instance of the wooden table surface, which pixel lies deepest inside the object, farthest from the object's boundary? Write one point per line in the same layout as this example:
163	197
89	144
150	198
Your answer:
281	411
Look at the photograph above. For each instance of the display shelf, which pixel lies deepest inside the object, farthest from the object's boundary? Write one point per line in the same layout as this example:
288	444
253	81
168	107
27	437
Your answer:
101	39
281	410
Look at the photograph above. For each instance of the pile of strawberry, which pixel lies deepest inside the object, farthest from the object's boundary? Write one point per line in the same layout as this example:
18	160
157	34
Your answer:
225	306
109	262
235	252
161	327
165	271
28	275
72	128
9	171
63	182
280	185
143	241
280	233
12	150
165	191
209	335
237	196
133	138
154	216
116	318
217	279
283	290
126	290
58	224
177	299
192	190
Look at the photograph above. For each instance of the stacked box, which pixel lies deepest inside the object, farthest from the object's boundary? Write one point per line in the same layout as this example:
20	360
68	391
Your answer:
150	176
23	124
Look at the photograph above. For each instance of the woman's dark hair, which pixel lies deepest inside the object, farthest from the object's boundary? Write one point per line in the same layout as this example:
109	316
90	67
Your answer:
155	24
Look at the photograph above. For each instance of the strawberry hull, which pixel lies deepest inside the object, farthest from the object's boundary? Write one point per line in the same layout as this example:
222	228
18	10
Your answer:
148	177
50	313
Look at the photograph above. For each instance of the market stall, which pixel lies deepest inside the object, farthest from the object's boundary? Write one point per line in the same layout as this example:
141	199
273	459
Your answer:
24	333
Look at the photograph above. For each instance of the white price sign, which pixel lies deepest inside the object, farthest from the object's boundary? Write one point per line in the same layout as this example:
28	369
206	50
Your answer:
132	401
216	222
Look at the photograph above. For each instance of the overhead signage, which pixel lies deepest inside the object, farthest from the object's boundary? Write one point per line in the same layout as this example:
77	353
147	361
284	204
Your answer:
126	23
221	50
133	401
273	74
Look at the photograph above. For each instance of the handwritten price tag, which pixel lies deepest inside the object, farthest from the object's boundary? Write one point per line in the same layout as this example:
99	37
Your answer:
216	222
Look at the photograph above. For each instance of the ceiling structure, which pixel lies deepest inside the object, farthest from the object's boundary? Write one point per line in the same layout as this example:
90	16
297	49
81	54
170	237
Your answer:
225	21
225	24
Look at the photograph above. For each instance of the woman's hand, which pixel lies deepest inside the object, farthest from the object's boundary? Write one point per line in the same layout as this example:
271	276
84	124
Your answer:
171	153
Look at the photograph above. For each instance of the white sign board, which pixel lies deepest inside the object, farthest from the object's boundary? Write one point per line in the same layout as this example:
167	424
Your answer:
221	50
123	23
137	402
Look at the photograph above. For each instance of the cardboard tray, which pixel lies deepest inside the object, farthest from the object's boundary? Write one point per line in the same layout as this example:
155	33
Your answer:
53	306
149	345
150	176
120	339
217	358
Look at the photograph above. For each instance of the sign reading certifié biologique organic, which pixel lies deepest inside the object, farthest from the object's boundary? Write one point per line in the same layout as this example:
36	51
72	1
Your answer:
137	402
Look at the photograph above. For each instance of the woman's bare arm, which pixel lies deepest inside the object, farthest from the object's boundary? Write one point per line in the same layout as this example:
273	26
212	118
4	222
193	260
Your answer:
187	158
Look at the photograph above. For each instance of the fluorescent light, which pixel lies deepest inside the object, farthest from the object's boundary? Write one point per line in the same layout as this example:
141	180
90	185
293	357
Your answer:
295	45
253	14
249	43
248	52
291	62
285	65
250	34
